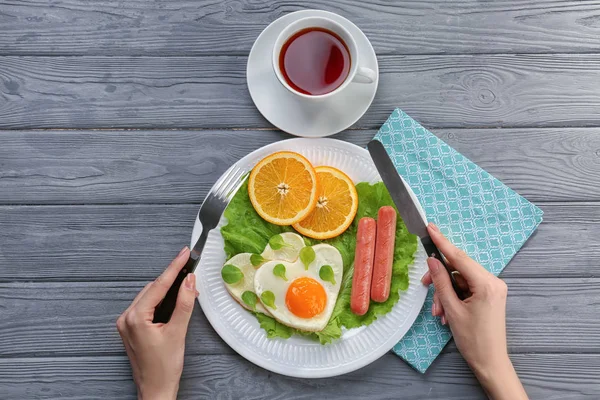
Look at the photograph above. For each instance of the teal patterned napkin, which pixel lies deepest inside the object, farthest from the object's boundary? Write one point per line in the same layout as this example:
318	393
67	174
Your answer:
476	211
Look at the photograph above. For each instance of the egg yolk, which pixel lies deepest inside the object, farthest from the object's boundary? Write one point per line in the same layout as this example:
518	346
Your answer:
305	298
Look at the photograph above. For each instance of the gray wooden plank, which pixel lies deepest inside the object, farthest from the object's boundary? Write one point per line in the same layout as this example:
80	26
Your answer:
80	318
82	167
185	27
210	92
561	164
135	242
92	242
556	315
545	376
120	166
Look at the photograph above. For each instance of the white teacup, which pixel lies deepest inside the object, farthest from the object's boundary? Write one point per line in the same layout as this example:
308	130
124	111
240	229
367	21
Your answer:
356	74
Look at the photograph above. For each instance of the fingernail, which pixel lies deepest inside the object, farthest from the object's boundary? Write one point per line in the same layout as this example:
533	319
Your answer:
190	282
443	320
434	227
182	251
433	264
433	309
197	293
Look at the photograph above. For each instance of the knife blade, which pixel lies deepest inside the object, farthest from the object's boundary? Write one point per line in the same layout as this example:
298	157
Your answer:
407	207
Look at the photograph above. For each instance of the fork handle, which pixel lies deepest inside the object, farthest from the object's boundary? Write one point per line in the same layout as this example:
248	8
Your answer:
164	310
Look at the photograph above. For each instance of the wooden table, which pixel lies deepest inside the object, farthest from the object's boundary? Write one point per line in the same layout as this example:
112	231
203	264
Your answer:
117	116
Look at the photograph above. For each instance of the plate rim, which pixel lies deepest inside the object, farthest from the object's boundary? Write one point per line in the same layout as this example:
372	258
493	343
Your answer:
325	372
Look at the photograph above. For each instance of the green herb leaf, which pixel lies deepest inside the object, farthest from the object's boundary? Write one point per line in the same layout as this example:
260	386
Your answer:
326	273
231	274
307	256
279	270
256	260
249	298
276	242
268	298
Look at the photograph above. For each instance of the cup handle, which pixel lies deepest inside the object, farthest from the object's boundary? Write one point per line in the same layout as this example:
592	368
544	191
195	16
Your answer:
364	75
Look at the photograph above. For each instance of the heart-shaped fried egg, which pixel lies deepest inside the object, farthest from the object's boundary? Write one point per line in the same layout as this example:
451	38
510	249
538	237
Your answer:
301	294
238	272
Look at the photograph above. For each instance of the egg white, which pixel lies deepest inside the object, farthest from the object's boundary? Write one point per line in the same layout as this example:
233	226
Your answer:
289	252
293	244
242	261
265	280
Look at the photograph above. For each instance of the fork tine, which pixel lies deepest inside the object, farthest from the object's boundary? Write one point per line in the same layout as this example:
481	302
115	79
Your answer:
218	185
227	182
222	179
234	185
232	182
234	190
232	179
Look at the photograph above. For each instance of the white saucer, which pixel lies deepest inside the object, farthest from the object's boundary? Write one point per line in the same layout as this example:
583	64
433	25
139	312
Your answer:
299	116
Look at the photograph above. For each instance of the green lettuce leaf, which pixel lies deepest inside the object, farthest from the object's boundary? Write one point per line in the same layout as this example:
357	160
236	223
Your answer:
247	232
274	329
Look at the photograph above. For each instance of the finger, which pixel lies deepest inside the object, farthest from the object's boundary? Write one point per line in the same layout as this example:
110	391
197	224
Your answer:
426	279
185	304
130	354
121	328
441	315
460	261
121	325
138	297
437	309
159	288
460	280
461	283
442	284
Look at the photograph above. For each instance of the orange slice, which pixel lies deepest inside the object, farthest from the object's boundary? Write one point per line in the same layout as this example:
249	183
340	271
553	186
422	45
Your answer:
336	206
283	188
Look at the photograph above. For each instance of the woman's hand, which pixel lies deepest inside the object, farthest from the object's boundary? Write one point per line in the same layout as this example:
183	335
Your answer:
478	323
156	350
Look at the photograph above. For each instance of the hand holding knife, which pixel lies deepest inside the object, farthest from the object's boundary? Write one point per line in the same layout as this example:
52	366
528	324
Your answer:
407	208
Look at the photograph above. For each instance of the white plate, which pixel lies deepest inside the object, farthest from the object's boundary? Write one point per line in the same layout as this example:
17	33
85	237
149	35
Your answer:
298	356
296	115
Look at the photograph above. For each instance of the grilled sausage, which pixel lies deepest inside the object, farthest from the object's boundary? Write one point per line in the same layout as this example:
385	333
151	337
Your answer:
363	266
384	254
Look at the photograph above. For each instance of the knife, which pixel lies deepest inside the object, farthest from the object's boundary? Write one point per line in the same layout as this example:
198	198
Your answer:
407	208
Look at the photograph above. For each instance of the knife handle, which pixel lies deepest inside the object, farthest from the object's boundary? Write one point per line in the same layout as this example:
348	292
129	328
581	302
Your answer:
432	251
165	308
